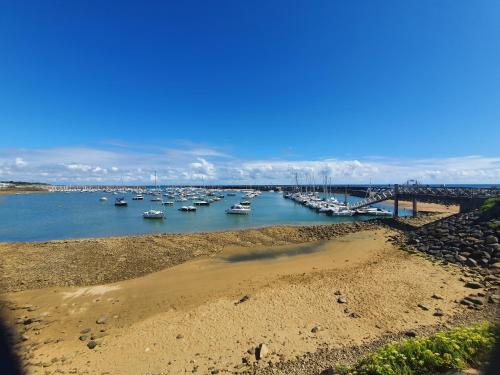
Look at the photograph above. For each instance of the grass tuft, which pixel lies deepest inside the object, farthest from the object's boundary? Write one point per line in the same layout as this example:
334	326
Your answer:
455	349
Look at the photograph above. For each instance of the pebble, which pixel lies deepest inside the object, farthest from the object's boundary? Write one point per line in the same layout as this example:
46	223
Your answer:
328	371
437	296
102	320
438	312
262	351
91	344
494	299
245	298
411	333
341	300
474	300
316	329
473	285
423	307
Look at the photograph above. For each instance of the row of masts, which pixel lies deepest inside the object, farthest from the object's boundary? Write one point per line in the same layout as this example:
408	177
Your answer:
310	185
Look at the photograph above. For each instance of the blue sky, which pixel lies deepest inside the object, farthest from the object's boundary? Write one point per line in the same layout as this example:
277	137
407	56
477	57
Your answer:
248	90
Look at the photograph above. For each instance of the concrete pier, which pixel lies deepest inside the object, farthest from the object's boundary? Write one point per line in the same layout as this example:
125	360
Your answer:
396	201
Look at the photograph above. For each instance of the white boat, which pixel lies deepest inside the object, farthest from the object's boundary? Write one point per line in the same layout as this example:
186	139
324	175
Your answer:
153	214
120	202
138	197
373	211
201	203
238	209
167	203
188	208
103	199
245	203
340	211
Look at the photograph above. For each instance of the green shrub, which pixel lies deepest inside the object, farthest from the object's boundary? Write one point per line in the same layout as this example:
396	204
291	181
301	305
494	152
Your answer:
458	348
490	208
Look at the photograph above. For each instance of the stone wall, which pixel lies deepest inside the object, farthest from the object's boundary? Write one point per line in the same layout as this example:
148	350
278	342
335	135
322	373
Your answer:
463	238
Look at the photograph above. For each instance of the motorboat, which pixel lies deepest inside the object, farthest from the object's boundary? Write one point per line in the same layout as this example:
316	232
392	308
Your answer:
156	199
103	199
373	211
245	203
153	214
238	209
201	203
167	203
188	208
120	202
138	197
340	211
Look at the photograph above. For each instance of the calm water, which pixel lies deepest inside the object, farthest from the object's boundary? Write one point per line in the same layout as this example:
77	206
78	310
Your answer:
40	217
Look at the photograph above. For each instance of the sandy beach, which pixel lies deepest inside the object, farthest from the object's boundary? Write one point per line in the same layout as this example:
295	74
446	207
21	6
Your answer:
427	207
301	292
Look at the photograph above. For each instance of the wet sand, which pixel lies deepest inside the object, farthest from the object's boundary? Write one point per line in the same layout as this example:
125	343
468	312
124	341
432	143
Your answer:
189	317
93	261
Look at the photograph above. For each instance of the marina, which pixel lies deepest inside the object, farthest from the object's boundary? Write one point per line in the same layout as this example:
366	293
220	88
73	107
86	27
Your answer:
84	213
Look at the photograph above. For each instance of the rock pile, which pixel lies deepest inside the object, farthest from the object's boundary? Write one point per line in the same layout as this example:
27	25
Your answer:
463	238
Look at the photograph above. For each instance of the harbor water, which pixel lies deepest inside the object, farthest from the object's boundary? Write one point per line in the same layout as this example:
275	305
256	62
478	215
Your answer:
59	215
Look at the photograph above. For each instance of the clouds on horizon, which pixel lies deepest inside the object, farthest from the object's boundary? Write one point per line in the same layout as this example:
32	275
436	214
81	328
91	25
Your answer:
195	164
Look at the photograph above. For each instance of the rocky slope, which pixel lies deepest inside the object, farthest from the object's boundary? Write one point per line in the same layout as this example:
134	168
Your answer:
464	238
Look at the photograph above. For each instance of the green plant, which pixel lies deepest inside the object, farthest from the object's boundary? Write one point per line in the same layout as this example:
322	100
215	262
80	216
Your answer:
490	209
489	204
458	348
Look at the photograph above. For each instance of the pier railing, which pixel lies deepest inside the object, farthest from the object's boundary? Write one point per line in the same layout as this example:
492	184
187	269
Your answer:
457	195
379	197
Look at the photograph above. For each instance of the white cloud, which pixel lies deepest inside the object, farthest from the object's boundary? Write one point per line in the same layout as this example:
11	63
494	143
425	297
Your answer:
19	162
201	170
81	165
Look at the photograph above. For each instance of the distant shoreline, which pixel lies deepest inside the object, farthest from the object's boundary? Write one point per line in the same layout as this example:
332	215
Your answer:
19	191
10	188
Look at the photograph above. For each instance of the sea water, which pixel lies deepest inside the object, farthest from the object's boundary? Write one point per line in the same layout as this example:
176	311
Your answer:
49	216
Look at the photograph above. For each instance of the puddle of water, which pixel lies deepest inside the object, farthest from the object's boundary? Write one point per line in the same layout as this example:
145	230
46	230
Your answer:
273	253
